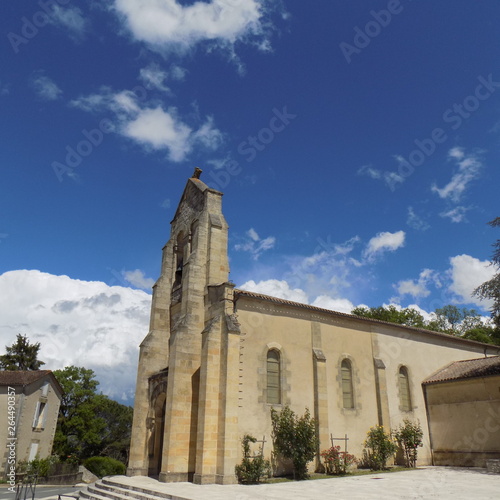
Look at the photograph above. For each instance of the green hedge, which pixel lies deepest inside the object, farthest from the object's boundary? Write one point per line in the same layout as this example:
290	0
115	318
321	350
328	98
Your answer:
105	466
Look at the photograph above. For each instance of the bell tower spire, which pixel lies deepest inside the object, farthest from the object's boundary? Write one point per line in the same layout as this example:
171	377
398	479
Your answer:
194	273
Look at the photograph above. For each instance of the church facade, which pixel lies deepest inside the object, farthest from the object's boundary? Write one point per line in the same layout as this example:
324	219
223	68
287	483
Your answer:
217	359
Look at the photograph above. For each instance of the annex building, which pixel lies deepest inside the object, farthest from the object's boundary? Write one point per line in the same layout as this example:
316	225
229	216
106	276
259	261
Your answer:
29	405
216	359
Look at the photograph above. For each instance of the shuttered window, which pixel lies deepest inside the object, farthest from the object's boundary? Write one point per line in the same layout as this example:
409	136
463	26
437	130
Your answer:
347	391
40	417
273	377
404	389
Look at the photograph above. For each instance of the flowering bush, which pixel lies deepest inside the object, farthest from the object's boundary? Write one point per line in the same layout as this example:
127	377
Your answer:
409	437
294	438
336	461
379	448
252	469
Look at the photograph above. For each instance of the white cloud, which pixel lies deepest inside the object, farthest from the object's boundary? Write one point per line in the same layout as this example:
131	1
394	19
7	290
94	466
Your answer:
136	278
82	323
468	170
276	288
154	128
160	129
390	178
456	214
384	242
253	234
415	221
70	19
154	77
253	244
340	305
4	88
177	72
167	24
418	288
456	153
467	273
369	171
46	88
411	287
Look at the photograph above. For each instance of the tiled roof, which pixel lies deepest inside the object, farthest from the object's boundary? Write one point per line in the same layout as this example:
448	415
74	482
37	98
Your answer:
276	300
19	377
469	368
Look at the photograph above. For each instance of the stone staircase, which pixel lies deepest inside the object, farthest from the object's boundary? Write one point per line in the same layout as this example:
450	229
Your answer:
122	488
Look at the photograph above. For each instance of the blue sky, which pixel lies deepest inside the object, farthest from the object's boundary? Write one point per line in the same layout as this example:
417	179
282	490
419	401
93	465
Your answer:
356	143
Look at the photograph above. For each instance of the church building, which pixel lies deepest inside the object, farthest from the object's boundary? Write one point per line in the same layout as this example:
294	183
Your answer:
217	359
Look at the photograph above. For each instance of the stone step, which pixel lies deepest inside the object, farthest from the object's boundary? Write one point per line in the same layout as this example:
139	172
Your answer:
103	492
109	488
119	491
131	491
85	494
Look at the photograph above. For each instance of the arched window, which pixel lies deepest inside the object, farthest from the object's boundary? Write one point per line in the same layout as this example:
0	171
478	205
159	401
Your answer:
347	390
404	389
273	377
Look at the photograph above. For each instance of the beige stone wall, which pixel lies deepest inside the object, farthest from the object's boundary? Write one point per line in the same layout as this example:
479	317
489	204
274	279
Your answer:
376	352
30	439
465	420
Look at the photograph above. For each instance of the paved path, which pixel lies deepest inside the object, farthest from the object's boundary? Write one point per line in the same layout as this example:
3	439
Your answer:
440	483
41	491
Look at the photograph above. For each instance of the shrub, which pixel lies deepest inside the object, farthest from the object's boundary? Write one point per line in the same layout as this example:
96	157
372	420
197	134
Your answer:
336	461
252	469
105	466
409	437
379	448
294	438
40	467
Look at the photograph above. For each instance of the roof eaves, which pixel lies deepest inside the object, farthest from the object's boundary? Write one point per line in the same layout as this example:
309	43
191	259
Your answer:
359	318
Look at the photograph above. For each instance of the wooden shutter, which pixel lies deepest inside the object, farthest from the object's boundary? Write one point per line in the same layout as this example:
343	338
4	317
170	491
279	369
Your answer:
37	413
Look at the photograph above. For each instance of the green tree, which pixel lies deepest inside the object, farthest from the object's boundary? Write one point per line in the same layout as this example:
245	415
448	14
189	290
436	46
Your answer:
407	316
90	424
294	438
491	289
449	319
78	429
456	320
21	355
115	437
486	334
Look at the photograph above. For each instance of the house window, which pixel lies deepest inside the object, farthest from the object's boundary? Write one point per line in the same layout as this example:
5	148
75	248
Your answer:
347	390
273	377
404	389
40	416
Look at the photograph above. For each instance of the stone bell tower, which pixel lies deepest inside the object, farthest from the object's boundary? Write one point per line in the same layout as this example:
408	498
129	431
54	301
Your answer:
185	411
